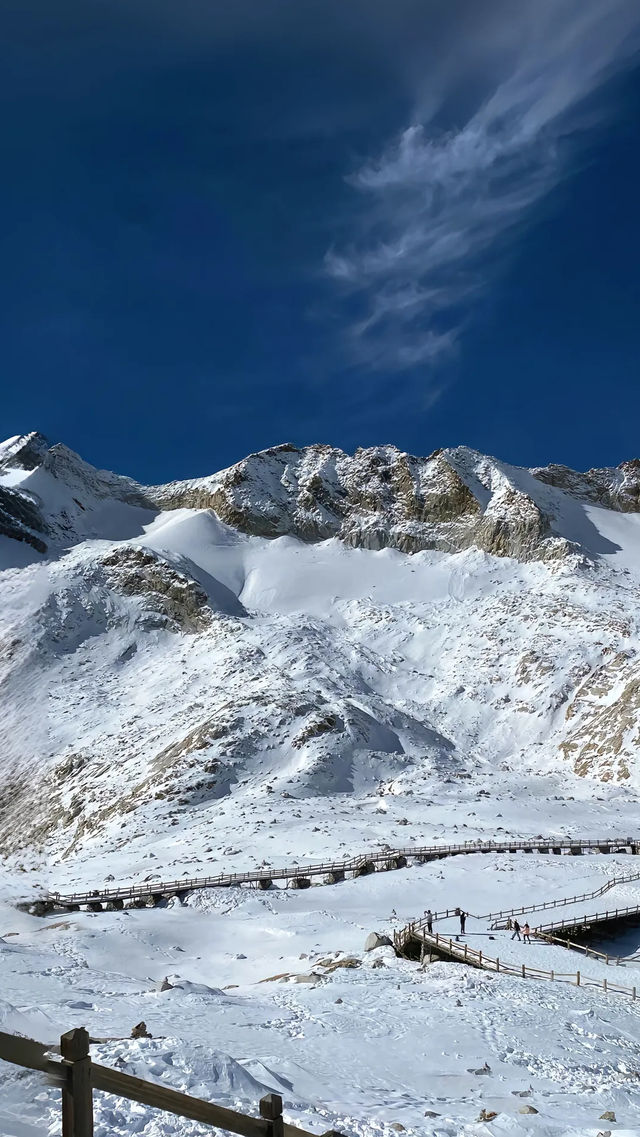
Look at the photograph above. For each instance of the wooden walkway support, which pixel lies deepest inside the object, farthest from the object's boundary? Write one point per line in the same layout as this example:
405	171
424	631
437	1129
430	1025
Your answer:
100	899
78	1077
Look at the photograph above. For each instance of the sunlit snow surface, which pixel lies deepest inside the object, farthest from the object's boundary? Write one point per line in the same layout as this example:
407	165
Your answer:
419	656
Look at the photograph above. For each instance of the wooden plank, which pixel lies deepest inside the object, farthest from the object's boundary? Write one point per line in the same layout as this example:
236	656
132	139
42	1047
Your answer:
172	1101
24	1052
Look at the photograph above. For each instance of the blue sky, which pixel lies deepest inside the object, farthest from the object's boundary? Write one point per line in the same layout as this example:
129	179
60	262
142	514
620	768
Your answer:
352	221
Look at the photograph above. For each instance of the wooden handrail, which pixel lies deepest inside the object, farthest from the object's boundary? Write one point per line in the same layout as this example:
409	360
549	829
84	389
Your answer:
592	918
498	917
24	1052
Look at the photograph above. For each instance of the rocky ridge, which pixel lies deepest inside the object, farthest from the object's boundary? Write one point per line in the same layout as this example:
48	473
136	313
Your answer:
376	498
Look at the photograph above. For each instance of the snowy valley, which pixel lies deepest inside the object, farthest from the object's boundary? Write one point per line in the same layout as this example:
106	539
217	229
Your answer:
308	656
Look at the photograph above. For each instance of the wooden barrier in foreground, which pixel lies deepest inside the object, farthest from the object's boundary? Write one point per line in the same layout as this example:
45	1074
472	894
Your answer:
78	1076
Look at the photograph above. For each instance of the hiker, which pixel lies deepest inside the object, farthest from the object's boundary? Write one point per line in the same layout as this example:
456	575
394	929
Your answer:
516	930
525	934
429	916
463	920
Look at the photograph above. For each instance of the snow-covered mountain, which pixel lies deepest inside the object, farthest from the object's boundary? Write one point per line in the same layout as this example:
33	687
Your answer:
305	624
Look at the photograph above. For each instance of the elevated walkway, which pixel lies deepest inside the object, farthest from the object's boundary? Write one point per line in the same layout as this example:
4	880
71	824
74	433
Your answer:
152	893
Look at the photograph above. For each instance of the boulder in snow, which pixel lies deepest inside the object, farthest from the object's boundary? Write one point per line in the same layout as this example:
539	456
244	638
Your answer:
375	940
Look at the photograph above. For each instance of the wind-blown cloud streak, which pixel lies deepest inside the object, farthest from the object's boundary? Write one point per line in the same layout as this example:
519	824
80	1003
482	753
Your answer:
439	206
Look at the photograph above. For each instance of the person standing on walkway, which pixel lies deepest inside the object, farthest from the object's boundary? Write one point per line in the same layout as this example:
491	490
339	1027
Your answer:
429	917
525	934
463	920
516	930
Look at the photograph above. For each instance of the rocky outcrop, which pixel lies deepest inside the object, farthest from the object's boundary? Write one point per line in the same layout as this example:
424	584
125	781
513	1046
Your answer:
24	452
514	526
376	498
617	488
375	940
49	494
603	734
179	602
20	519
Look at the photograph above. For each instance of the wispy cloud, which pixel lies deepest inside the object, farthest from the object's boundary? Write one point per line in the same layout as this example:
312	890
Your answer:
438	205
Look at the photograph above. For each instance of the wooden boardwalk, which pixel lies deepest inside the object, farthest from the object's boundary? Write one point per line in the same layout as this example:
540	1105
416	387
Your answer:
501	919
416	941
300	876
422	945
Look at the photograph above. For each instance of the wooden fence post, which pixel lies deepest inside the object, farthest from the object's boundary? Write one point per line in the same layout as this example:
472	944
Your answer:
271	1110
524	971
577	978
77	1102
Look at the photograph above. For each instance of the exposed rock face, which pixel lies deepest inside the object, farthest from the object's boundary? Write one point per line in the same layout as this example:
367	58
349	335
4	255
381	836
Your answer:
179	601
24	452
375	499
58	493
604	716
20	518
617	488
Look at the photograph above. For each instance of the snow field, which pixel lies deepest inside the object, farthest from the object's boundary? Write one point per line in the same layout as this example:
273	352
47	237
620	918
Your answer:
398	1042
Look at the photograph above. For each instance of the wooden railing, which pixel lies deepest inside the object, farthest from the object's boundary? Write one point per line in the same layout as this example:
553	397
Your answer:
78	1076
589	952
500	919
354	864
505	914
463	953
593	918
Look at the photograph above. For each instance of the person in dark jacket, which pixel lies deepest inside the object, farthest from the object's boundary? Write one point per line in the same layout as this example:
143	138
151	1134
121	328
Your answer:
516	930
463	920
